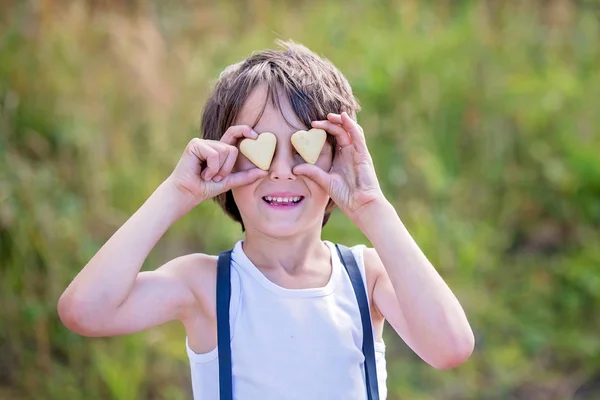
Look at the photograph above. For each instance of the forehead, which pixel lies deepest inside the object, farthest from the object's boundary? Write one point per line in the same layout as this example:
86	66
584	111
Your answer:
273	120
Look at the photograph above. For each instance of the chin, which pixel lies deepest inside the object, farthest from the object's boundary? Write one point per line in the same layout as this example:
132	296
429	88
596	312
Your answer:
281	229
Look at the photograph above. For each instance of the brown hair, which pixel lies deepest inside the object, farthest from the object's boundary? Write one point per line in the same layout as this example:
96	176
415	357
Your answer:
313	86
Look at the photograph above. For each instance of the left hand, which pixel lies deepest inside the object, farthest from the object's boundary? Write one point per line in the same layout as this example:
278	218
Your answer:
351	182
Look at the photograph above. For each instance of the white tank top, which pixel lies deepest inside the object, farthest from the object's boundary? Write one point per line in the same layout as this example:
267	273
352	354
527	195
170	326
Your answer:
291	343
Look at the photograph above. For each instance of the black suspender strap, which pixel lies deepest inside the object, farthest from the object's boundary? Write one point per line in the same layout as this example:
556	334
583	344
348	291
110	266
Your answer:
223	336
368	346
223	329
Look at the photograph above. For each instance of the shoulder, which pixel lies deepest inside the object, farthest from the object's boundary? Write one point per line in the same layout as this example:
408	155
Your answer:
374	270
198	272
370	260
373	265
190	266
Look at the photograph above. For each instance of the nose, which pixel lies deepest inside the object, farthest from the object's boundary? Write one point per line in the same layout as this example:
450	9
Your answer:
282	164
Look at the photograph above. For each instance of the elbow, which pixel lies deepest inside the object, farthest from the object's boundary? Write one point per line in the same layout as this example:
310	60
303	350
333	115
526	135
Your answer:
458	353
74	317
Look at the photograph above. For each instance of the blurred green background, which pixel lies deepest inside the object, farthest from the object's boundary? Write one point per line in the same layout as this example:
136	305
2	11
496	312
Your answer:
482	118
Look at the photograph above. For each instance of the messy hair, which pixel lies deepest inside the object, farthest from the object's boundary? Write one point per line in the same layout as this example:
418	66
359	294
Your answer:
313	86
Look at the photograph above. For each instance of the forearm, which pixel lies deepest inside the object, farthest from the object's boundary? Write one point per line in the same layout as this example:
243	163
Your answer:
436	320
107	279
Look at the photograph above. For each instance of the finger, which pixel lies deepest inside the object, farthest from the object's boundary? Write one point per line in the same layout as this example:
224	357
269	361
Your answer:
356	133
228	163
236	132
223	150
315	173
243	178
213	163
335	118
342	137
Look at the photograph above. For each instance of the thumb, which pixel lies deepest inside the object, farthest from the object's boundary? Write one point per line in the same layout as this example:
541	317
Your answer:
242	178
315	173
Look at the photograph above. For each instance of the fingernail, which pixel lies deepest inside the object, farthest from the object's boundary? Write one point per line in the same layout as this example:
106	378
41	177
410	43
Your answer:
217	179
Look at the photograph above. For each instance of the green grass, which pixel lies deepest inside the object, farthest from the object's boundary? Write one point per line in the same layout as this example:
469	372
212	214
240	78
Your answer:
482	120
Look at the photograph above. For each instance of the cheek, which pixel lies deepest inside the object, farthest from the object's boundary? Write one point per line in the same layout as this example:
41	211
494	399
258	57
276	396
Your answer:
241	195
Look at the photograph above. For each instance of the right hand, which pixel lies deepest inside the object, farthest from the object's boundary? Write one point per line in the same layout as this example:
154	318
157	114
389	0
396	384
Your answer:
204	169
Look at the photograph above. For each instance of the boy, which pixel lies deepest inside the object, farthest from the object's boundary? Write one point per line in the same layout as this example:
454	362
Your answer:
295	322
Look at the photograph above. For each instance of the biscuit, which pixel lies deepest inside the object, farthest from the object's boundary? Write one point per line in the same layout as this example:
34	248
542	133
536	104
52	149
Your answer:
261	150
309	144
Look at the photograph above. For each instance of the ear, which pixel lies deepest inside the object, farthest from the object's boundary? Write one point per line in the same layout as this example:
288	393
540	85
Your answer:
309	144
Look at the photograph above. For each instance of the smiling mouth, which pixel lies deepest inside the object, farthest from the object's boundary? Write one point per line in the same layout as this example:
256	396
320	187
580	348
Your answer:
283	201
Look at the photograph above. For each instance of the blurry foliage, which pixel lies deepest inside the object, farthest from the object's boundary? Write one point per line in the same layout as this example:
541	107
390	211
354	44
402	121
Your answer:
482	118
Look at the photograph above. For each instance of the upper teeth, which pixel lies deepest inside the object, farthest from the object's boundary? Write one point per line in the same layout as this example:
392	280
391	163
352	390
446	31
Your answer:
283	199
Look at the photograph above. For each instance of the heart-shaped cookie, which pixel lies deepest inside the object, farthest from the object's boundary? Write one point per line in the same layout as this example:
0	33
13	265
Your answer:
260	151
309	144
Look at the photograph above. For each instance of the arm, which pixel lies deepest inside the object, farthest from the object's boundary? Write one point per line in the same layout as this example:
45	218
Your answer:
408	290
411	294
110	296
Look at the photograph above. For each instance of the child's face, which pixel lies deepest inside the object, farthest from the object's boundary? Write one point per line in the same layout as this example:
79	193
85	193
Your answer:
257	202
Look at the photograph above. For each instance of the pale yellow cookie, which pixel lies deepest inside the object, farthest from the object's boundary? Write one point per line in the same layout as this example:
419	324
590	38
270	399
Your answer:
260	151
309	144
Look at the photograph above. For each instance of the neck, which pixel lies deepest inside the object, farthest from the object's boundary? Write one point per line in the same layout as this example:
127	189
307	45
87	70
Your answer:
293	254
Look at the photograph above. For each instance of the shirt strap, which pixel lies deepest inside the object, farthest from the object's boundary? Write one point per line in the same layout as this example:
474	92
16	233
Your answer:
368	345
223	329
